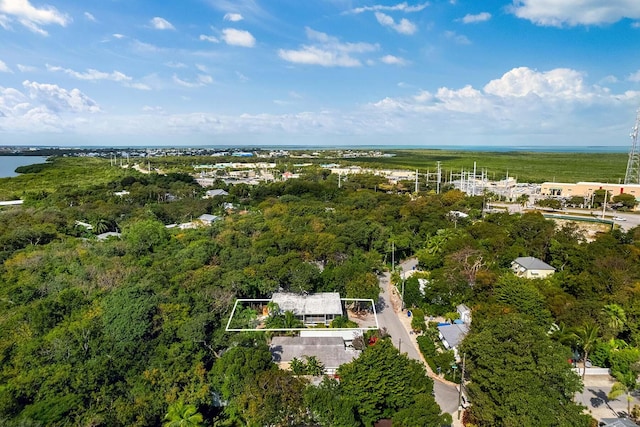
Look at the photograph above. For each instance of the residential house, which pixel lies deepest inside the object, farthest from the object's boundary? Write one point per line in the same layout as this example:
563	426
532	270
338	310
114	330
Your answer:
330	351
617	422
209	194
208	219
313	309
531	268
452	335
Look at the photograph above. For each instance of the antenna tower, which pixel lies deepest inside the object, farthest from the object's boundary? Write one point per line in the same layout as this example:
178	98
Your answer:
633	165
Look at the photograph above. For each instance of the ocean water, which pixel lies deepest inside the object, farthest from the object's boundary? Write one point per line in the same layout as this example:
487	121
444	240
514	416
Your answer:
8	164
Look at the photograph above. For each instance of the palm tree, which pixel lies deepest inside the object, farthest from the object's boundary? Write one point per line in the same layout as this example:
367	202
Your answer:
314	366
297	366
290	320
182	415
102	225
626	383
587	337
562	334
617	318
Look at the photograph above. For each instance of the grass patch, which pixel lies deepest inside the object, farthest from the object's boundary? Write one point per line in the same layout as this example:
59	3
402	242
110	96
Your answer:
526	166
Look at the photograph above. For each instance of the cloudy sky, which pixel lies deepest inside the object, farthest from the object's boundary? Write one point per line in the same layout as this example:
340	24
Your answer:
319	72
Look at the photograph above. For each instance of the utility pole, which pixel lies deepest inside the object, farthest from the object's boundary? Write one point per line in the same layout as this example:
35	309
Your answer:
604	205
464	356
402	286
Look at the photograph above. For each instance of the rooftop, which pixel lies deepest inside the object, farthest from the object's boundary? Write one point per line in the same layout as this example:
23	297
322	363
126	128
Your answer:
532	263
331	351
454	334
320	303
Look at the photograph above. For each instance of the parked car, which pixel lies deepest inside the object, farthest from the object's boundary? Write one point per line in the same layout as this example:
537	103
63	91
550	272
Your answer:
619	218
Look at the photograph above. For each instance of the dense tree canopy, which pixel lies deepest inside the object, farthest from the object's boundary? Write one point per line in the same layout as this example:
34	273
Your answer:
123	332
516	370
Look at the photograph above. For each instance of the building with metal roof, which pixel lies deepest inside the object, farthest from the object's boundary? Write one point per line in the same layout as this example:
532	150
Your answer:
531	268
330	351
312	309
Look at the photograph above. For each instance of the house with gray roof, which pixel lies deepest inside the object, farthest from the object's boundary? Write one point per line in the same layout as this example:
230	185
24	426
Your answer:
312	309
617	422
215	193
531	268
330	351
452	335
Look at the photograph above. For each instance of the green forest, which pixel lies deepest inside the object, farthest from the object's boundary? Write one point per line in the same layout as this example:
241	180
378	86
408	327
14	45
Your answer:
129	331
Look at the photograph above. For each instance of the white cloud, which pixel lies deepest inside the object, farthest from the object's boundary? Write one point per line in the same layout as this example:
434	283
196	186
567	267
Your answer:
634	77
172	64
327	51
211	39
4	68
233	17
393	60
26	68
402	7
154	109
560	83
60	100
143	47
92	74
480	17
161	24
31	17
201	80
90	17
403	27
118	36
95	75
575	12
523	100
458	38
5	22
234	37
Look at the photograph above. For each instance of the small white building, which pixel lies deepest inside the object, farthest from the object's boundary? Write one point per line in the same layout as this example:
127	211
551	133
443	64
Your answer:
312	309
465	314
209	194
208	219
531	268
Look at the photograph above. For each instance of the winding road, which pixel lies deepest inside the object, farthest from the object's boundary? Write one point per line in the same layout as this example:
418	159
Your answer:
446	394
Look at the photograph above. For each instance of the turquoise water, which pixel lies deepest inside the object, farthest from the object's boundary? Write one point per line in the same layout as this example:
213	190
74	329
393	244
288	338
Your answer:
8	164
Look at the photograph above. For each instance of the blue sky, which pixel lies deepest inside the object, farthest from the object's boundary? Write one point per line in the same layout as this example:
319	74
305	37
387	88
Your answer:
319	72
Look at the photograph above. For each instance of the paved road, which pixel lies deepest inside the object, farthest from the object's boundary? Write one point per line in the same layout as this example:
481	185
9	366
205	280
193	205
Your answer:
446	395
594	397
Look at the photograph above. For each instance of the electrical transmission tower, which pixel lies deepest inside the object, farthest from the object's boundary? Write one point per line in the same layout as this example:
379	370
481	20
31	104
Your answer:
633	165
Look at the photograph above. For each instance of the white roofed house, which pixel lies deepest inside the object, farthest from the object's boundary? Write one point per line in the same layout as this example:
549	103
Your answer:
214	193
208	219
531	268
313	309
465	313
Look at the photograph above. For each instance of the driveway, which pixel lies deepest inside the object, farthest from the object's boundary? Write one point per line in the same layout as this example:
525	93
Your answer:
594	397
389	317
